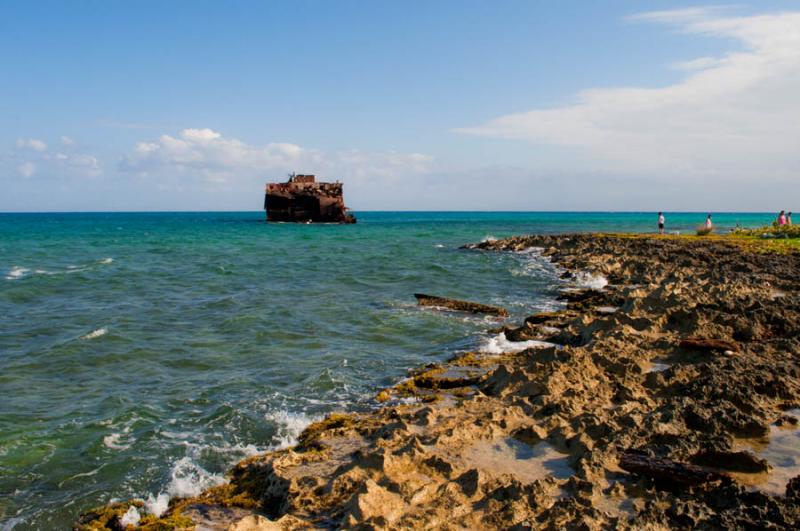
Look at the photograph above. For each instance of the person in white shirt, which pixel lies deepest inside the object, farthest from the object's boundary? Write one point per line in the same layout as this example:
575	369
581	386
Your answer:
661	223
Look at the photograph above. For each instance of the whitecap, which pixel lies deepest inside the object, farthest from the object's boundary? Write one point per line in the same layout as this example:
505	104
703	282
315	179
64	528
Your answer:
131	517
113	441
439	246
16	273
488	238
106	260
289	426
590	280
95	333
187	479
157	505
499	344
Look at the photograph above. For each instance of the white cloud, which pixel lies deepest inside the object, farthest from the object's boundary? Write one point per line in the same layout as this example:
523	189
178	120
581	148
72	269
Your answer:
26	169
81	164
31	143
212	157
732	117
37	159
700	63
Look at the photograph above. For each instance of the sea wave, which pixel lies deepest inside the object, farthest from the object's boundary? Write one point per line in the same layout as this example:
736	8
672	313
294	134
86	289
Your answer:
187	479
113	441
17	272
533	264
586	279
499	344
95	333
289	426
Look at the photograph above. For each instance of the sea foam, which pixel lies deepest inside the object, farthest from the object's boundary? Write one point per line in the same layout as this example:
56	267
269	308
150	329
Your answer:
16	273
590	280
499	344
289	426
131	517
187	479
113	441
95	333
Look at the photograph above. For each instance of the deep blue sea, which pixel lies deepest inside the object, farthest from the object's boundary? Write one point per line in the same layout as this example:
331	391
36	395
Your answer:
141	354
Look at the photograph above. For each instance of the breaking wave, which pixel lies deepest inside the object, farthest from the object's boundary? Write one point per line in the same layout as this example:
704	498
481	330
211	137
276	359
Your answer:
17	272
95	333
187	479
499	344
590	280
289	426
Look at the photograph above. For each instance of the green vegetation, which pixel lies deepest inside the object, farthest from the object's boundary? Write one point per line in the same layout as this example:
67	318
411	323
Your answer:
108	518
704	231
749	240
310	436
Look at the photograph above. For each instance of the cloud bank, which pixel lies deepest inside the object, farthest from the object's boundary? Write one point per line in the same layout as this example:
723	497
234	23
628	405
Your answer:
207	154
734	117
35	157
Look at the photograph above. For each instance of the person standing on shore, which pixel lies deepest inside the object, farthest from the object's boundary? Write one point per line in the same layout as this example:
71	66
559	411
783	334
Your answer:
709	225
781	219
661	223
789	218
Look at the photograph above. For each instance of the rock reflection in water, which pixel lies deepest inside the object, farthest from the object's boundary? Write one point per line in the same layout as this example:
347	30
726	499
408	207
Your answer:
657	366
524	461
782	450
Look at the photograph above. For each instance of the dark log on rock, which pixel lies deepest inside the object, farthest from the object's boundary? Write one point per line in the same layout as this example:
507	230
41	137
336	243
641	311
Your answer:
708	345
741	461
546	317
661	468
458	305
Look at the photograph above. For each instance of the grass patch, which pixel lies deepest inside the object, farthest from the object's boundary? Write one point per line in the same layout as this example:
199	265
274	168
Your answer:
749	240
704	231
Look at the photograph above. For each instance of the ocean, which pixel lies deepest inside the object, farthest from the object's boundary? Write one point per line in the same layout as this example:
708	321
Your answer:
142	354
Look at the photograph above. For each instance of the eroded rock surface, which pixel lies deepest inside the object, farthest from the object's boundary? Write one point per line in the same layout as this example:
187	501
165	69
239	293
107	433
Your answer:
459	305
580	435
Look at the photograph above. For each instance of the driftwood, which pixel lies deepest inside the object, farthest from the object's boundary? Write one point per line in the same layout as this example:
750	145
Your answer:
458	305
708	345
666	469
742	461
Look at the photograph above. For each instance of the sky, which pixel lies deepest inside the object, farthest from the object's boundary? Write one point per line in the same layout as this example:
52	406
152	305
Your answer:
414	105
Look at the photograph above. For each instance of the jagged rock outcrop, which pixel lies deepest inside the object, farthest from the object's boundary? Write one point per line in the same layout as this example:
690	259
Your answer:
616	427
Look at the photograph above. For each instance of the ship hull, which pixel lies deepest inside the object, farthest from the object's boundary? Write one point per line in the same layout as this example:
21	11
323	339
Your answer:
304	202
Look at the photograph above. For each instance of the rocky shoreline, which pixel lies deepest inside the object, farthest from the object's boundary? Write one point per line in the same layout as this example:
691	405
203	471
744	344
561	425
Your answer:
669	398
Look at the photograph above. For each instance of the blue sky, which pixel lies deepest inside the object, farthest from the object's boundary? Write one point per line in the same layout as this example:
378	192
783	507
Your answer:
515	105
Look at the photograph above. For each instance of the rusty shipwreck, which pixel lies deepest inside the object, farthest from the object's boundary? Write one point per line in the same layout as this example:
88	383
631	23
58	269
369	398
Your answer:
302	199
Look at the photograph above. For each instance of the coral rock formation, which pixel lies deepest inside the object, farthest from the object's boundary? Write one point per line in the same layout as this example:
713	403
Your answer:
619	426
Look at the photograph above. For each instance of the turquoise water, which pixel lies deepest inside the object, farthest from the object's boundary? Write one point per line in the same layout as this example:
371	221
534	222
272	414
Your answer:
143	354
